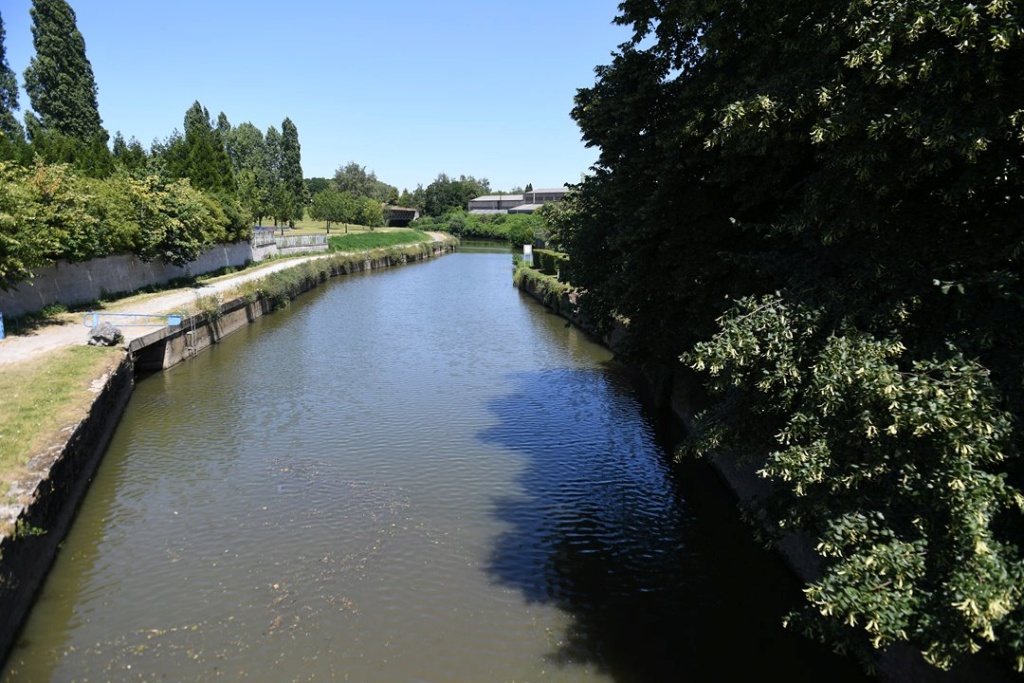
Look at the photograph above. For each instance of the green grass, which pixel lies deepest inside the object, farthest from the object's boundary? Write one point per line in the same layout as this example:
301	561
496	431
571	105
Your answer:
376	239
40	398
307	226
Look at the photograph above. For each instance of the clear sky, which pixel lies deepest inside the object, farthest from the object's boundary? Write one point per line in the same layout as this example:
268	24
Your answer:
407	88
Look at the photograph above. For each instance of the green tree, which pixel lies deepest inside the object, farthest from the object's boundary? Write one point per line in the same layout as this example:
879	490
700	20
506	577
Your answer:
818	211
223	126
369	213
12	135
291	168
315	185
445	194
43	218
251	163
332	206
129	155
59	79
355	180
199	155
282	204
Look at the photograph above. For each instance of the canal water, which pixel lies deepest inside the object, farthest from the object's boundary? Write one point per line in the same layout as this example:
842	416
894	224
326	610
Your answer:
410	475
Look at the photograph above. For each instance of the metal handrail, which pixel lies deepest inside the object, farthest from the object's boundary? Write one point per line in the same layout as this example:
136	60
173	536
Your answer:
92	319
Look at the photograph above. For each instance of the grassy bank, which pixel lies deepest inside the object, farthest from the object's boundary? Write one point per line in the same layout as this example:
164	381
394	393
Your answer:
377	239
548	286
39	399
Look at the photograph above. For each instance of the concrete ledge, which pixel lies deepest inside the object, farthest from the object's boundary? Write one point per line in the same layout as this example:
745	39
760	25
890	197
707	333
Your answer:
61	478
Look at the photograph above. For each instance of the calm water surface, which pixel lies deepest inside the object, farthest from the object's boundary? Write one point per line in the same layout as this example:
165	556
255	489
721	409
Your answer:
413	475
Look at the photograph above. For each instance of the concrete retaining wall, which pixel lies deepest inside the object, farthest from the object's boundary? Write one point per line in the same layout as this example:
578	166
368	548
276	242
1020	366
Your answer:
59	481
78	283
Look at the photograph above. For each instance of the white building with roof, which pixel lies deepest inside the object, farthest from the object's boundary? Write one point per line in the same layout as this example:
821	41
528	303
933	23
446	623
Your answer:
527	202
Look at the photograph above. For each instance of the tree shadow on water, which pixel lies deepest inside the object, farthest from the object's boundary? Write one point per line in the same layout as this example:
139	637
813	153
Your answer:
658	577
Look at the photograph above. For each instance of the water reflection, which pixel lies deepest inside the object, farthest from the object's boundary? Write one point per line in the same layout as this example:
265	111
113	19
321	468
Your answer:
602	528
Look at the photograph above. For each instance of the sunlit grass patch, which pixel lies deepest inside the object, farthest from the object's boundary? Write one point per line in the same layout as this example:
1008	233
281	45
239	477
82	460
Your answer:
42	397
376	239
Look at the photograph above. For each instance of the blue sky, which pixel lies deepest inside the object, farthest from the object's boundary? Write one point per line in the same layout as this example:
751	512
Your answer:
407	88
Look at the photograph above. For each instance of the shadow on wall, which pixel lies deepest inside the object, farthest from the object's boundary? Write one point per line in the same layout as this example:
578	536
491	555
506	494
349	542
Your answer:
660	579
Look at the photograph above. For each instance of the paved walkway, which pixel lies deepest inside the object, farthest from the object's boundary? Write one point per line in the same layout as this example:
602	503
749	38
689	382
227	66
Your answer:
22	347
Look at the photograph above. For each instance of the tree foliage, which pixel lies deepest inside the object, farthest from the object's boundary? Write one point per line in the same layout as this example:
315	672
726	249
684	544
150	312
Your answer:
50	212
200	155
59	79
129	155
291	168
12	135
445	194
355	180
818	209
332	206
251	162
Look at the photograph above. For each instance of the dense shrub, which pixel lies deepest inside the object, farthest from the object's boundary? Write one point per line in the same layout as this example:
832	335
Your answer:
49	212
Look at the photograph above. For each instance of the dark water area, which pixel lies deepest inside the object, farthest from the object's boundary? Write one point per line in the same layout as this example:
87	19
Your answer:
411	475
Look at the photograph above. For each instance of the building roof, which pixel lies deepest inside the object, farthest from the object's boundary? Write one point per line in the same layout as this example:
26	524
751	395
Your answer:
496	197
525	208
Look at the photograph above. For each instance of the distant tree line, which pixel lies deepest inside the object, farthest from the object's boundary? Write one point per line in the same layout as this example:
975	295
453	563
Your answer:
68	193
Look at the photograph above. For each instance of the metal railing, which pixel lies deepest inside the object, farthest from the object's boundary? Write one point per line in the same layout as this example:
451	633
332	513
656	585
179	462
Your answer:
93	319
301	241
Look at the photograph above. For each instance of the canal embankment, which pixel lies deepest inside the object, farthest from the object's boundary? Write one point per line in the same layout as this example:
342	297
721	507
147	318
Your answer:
674	391
44	502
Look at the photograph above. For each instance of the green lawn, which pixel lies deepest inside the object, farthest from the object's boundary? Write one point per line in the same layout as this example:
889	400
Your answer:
40	398
358	241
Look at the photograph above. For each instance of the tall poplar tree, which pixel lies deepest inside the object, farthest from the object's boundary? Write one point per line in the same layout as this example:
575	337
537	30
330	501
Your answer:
12	136
291	166
59	79
200	155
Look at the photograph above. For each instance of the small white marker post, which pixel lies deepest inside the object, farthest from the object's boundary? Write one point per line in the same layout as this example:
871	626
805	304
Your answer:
528	253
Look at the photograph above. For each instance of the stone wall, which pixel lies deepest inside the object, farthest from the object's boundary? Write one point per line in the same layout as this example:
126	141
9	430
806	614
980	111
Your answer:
78	283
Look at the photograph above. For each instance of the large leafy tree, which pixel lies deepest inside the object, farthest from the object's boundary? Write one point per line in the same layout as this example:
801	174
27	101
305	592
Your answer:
358	182
59	78
817	207
250	160
446	193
